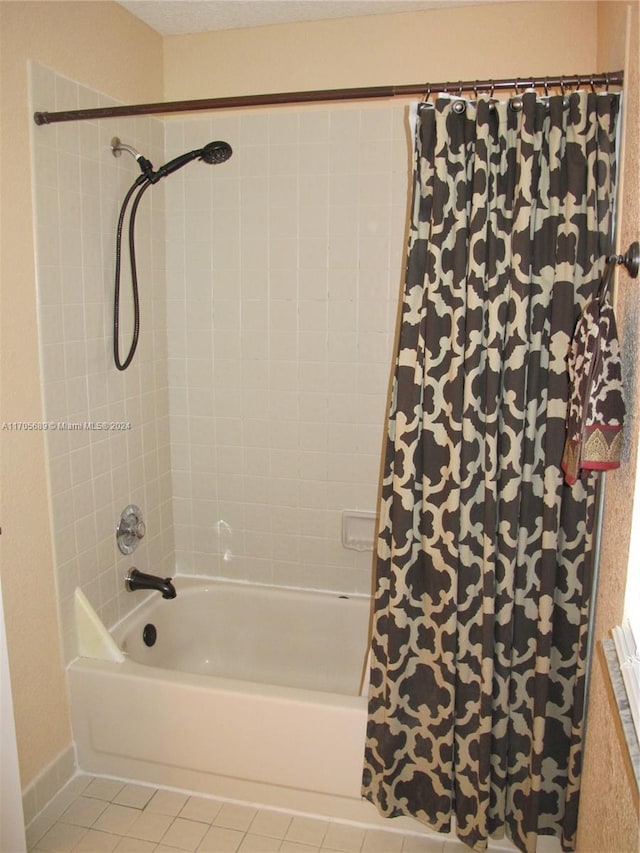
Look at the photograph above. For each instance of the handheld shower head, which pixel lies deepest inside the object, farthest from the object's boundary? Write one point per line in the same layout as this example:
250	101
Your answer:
213	153
216	152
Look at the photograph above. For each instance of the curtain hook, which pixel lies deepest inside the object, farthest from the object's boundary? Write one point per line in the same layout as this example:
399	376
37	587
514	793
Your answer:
427	94
493	86
516	102
546	87
593	85
562	87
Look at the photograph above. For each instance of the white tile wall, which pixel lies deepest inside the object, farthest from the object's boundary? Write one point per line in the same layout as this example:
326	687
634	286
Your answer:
283	272
257	398
94	474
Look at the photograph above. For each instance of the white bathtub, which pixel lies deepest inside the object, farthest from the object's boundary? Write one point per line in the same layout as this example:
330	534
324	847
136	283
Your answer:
250	693
267	635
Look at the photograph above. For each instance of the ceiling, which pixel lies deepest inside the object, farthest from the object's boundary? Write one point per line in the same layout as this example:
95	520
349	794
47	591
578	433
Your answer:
179	17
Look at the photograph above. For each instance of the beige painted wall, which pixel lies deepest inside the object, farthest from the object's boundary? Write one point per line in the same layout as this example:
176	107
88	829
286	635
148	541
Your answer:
446	44
609	802
106	48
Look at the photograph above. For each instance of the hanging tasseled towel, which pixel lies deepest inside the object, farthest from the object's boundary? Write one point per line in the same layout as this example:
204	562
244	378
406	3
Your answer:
596	405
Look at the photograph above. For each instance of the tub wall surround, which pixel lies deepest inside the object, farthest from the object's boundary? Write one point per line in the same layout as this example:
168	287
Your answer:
94	472
283	272
253	411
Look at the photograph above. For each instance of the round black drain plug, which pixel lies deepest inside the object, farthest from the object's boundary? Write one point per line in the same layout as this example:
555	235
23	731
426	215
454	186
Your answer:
149	634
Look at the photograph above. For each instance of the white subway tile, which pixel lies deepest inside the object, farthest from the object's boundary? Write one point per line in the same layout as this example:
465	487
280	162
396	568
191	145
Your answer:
278	325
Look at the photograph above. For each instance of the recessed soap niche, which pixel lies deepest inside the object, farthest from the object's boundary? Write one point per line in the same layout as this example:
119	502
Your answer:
358	529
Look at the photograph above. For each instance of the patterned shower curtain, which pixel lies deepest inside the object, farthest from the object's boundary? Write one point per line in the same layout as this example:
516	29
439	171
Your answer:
484	564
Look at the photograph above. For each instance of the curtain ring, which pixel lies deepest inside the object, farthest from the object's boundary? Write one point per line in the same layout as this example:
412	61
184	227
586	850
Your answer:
546	87
562	87
493	86
459	88
427	94
593	85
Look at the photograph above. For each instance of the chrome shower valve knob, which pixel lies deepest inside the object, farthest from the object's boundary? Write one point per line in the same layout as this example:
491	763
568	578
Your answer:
131	529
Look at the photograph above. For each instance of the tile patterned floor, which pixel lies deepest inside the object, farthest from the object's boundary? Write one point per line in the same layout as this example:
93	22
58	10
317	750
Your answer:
97	815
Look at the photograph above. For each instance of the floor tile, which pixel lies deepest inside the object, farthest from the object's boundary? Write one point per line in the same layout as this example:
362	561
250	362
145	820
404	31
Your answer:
150	826
307	830
186	834
84	811
163	848
78	784
97	842
201	808
103	789
235	816
221	840
272	824
61	838
347	839
296	847
419	844
259	844
167	802
136	796
380	841
117	819
95	815
135	845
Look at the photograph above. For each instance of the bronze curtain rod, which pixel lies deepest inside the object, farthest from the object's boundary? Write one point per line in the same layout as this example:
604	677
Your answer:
422	89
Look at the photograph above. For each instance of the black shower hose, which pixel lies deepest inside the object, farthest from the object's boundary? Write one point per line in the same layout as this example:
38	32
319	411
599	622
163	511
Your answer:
122	365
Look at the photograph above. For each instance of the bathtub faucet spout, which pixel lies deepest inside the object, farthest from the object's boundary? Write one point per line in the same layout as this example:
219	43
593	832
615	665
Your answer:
140	580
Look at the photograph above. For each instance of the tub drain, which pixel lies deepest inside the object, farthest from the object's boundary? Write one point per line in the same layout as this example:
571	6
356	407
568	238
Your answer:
149	634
